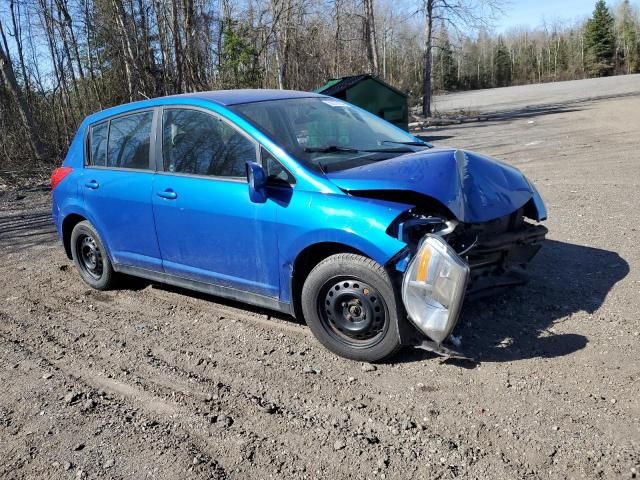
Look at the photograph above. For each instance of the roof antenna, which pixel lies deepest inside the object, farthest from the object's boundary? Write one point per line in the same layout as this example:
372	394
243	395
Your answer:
140	93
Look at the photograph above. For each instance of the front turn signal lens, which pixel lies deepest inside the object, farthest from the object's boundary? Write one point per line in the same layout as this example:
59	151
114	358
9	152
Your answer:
423	265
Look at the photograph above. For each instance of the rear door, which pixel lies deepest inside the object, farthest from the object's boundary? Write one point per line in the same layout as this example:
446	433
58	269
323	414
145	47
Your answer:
117	187
207	227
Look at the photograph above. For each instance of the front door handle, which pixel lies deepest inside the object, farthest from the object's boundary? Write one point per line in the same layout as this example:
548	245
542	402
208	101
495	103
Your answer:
168	194
92	184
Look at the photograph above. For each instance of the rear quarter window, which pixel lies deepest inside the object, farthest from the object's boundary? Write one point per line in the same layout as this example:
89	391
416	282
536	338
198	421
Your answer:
98	144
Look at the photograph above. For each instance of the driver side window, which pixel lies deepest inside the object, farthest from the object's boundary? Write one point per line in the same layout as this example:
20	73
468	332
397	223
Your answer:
199	143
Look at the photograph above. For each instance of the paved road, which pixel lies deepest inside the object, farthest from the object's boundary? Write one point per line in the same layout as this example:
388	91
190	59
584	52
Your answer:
521	97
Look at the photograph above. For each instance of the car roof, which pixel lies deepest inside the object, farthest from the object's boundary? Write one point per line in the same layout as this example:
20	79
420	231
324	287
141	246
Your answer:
221	97
235	97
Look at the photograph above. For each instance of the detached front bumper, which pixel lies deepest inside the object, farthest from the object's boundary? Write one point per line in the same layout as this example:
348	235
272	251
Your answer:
433	288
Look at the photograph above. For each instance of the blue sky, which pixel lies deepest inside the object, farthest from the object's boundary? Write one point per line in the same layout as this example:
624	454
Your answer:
532	12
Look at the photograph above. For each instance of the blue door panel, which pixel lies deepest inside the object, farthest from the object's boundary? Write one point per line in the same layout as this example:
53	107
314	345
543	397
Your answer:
120	203
209	230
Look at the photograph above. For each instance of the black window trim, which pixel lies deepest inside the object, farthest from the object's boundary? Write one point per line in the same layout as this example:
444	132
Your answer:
88	153
273	184
152	141
159	146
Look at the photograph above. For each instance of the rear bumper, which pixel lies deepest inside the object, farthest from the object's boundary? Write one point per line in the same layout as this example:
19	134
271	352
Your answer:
55	215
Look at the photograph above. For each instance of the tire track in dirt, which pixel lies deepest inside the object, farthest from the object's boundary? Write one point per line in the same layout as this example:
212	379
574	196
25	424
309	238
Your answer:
114	396
382	435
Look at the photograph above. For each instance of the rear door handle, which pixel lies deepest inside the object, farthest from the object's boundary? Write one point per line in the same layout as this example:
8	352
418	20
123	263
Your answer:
92	184
168	194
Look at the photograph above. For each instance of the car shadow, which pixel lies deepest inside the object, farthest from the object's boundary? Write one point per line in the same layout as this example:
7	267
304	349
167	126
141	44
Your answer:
518	324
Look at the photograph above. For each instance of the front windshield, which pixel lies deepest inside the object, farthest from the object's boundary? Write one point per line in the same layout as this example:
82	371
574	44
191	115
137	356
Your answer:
328	134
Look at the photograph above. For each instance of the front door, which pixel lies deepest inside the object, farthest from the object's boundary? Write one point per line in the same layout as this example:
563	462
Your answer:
207	227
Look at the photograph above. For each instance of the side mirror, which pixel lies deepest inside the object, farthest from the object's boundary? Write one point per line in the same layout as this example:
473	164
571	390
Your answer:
257	180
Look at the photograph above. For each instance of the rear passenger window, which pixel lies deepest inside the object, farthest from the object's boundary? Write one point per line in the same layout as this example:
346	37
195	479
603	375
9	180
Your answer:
129	140
201	144
98	144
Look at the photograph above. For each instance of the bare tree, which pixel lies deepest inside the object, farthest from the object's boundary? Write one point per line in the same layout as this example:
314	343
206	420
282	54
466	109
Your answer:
457	14
9	78
61	59
371	37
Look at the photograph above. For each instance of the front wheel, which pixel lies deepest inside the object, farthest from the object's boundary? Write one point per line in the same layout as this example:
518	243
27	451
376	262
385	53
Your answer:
349	305
90	257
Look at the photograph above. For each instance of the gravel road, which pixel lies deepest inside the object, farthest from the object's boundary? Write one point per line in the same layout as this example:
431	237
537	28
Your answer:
150	381
533	96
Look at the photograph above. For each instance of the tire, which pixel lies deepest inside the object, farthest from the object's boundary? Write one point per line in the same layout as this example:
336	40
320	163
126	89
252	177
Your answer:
90	257
350	306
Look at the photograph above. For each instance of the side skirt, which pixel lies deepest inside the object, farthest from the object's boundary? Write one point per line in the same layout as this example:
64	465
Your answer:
271	303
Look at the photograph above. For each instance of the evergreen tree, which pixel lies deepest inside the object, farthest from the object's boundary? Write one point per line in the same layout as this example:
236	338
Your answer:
239	57
502	64
600	41
445	74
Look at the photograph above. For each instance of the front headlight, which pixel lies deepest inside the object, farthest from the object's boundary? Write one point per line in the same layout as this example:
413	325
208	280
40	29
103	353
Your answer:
433	287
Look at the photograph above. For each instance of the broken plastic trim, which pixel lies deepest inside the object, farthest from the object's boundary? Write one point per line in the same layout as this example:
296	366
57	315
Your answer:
440	349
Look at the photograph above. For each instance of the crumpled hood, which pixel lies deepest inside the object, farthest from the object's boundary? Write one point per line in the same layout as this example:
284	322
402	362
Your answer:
475	188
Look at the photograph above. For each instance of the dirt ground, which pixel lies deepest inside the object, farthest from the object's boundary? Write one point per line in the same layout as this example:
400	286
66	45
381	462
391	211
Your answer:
154	382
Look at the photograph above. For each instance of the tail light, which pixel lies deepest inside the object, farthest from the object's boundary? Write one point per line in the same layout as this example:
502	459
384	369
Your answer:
58	175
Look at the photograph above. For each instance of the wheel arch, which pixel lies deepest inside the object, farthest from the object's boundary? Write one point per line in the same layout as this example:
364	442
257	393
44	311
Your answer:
68	224
304	262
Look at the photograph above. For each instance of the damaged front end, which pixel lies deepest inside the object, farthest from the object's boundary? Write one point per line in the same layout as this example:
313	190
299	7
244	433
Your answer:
466	235
447	261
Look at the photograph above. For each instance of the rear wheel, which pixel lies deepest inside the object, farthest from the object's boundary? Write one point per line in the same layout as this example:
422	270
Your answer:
90	257
349	305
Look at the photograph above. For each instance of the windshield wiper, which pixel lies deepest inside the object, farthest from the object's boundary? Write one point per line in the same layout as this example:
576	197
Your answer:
411	144
330	148
336	148
389	150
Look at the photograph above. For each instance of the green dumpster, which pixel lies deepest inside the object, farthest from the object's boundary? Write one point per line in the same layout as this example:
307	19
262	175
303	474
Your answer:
373	94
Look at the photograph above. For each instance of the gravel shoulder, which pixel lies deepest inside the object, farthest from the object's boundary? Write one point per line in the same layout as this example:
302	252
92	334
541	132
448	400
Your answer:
150	381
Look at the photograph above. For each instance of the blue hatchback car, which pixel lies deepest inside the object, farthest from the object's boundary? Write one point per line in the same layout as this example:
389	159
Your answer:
296	202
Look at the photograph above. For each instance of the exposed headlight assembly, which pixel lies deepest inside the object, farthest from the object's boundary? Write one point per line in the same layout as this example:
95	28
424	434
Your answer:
433	287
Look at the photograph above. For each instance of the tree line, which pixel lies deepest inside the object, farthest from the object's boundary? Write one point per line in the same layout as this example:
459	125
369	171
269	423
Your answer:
63	59
608	43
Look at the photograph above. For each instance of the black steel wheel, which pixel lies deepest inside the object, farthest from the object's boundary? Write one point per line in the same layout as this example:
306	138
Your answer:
349	304
90	256
353	311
